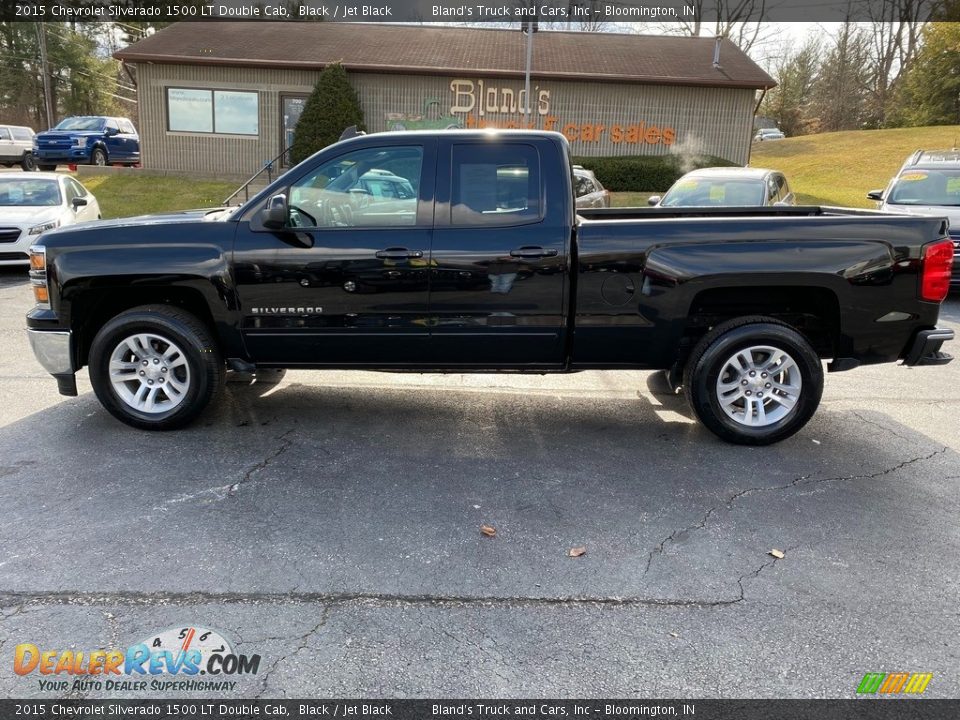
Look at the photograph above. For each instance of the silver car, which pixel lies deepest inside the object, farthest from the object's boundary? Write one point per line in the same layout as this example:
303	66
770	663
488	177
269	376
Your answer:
16	147
31	203
588	190
728	187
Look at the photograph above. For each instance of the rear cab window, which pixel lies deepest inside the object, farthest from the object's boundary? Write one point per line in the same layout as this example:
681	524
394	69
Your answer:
497	185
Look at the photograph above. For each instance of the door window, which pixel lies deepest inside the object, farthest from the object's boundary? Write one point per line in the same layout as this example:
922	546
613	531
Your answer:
22	133
495	185
375	187
74	189
4	134
127	127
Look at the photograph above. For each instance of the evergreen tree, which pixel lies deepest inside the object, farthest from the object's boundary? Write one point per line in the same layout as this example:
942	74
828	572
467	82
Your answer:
331	108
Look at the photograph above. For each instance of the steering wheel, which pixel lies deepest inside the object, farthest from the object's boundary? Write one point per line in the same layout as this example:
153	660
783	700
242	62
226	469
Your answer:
298	215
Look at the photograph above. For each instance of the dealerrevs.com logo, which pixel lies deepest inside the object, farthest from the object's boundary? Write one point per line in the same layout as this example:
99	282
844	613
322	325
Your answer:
184	652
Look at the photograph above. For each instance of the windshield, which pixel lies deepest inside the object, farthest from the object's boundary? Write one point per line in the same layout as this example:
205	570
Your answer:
718	192
28	192
927	187
81	123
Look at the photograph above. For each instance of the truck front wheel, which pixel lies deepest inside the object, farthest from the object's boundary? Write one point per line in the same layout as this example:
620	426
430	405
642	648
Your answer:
753	381
155	367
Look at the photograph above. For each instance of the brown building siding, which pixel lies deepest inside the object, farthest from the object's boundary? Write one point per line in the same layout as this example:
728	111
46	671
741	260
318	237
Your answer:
636	119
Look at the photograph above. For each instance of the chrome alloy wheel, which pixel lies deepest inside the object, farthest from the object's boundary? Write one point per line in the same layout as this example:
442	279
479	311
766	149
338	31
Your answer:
759	386
149	373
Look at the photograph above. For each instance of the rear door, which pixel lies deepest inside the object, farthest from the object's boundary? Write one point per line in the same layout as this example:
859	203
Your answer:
8	151
497	267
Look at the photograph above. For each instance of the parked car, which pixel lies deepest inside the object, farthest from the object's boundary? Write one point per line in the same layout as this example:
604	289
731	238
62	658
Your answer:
32	203
740	305
928	184
588	190
727	187
16	147
88	140
769	134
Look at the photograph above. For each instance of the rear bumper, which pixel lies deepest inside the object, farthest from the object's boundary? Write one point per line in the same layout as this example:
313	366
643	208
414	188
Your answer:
925	348
54	351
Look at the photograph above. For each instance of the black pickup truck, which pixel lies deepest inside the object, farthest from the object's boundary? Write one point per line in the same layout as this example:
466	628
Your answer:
462	252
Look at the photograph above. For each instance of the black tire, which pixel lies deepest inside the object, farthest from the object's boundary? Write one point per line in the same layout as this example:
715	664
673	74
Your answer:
98	157
711	354
28	163
47	168
186	331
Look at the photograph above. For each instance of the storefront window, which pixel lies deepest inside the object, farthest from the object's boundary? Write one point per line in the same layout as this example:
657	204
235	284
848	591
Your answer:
213	111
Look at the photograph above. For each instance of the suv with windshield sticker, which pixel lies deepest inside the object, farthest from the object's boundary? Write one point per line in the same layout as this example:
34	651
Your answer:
88	140
928	184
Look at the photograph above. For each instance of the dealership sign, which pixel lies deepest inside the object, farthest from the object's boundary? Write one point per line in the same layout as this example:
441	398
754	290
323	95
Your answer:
483	104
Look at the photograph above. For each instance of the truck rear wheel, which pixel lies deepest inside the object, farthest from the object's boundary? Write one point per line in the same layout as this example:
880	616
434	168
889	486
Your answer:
753	381
155	367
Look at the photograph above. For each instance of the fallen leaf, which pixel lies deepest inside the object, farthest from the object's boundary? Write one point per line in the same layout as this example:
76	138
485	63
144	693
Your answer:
778	554
488	530
817	442
576	552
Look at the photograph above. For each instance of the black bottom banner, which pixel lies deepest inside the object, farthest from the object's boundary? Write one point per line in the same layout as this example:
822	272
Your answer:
865	709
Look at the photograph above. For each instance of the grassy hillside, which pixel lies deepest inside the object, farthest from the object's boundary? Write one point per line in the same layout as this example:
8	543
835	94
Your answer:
128	194
839	168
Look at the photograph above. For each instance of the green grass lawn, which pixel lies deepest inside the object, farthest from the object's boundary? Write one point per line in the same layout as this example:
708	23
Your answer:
129	194
630	199
839	168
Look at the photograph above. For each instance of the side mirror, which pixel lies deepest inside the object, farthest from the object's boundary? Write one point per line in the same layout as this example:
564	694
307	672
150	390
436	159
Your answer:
654	200
275	214
875	195
79	202
112	131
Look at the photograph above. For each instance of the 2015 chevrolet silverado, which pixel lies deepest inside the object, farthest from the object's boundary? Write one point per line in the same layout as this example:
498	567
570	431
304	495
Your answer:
462	251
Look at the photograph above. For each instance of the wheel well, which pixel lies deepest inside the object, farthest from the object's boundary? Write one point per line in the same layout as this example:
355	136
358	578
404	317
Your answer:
96	309
813	312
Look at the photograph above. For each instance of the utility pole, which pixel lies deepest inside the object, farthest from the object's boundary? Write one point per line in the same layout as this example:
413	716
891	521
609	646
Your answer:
45	73
529	28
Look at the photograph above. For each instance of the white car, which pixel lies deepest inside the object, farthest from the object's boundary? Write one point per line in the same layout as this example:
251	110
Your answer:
32	202
768	134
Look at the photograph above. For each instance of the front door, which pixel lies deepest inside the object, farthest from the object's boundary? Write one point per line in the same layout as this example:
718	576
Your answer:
346	281
498	264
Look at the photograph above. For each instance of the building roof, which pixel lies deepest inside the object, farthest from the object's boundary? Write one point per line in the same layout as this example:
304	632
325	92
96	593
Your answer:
418	49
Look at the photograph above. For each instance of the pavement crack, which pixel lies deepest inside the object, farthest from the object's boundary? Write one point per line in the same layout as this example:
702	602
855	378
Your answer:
285	444
883	427
145	599
304	641
800	481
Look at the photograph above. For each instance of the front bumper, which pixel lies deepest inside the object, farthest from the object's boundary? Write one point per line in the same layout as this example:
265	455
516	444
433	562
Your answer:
925	349
61	155
54	351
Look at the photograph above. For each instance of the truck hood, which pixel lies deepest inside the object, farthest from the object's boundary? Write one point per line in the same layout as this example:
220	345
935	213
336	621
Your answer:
169	218
58	134
10	215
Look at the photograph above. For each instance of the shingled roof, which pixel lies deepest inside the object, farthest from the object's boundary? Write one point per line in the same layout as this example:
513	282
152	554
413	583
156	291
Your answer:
432	50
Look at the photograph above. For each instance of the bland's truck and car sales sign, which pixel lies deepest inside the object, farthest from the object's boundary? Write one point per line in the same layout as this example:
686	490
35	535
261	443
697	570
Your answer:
612	94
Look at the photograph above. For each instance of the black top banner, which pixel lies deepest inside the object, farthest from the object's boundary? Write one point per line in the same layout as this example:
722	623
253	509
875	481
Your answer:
572	12
213	709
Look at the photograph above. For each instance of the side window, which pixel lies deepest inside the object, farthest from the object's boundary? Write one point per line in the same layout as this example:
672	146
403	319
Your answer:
127	127
376	187
70	191
76	188
784	188
22	133
772	191
4	133
495	185
112	125
584	186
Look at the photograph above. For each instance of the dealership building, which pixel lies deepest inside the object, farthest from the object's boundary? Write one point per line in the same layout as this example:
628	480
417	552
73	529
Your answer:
225	97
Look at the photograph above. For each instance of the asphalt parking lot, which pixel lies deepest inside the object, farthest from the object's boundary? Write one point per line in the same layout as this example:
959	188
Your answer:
331	525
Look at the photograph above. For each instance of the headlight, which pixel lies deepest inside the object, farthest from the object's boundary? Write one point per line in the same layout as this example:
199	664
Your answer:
79	142
37	229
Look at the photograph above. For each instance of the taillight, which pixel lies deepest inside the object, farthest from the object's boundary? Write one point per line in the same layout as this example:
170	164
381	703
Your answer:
935	271
38	275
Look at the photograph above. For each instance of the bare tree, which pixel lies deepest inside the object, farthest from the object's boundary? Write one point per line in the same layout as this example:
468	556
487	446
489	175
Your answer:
895	38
